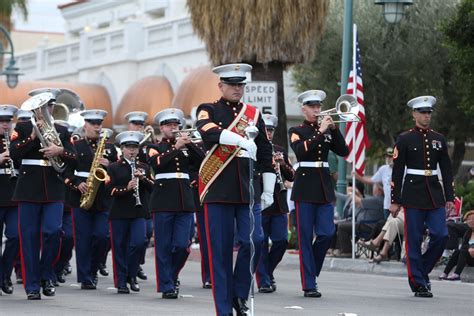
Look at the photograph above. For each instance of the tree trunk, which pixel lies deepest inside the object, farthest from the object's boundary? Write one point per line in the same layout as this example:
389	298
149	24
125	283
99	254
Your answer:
459	149
274	72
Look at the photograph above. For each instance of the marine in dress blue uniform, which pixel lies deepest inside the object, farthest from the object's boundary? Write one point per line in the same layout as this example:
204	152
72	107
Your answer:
67	238
40	194
274	217
91	229
421	150
313	190
103	262
8	208
136	122
200	225
129	208
171	201
228	197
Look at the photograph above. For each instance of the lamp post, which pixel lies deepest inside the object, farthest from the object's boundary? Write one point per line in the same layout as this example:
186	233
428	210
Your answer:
394	10
10	71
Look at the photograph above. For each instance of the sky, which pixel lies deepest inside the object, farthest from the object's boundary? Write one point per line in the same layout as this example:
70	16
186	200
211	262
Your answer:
43	16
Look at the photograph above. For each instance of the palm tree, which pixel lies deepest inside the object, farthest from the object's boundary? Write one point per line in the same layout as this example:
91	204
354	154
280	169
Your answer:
6	9
268	34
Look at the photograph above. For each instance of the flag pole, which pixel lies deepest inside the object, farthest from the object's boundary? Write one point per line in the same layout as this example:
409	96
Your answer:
354	148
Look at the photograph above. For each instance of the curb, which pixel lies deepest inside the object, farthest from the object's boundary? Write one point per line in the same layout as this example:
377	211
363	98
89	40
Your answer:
390	268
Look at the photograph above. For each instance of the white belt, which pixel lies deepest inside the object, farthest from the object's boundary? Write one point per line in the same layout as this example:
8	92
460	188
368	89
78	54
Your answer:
311	164
242	154
82	174
421	172
7	171
172	175
36	162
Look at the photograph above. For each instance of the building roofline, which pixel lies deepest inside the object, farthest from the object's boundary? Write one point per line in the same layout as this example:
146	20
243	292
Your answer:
70	4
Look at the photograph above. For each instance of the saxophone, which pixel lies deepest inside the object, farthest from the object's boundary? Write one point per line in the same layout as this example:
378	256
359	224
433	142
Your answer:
96	176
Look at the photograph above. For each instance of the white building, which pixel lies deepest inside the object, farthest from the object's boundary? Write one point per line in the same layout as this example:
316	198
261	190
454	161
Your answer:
117	44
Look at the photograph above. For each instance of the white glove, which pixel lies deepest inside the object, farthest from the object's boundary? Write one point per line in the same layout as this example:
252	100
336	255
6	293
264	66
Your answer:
268	187
229	138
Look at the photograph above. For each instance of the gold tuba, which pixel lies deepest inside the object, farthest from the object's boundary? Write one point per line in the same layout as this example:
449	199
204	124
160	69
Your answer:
46	132
96	176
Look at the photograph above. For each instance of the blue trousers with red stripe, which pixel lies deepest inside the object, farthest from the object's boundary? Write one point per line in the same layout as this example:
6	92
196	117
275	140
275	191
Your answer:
9	221
128	237
91	233
201	228
149	234
275	227
419	266
228	283
171	246
40	228
313	219
67	243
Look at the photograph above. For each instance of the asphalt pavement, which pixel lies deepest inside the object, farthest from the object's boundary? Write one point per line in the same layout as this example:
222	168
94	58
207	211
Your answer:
343	292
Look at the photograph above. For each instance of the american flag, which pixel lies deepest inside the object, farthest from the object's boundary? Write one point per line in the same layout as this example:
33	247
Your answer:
357	128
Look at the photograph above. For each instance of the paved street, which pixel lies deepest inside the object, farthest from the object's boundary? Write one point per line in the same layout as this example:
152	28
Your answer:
362	294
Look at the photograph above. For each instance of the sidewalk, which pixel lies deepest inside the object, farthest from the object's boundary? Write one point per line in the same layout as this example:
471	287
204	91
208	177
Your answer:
391	268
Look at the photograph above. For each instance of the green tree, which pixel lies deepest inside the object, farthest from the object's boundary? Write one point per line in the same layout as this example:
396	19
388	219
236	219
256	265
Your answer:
399	62
268	34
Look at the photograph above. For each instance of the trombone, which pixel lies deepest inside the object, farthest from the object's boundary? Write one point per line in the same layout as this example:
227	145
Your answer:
192	133
347	109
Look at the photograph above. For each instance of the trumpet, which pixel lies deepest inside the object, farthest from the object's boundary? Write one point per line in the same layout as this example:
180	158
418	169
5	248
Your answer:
192	133
136	190
149	135
347	109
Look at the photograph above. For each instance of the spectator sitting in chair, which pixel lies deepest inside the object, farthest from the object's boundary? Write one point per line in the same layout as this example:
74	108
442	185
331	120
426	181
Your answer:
383	176
369	210
465	255
392	228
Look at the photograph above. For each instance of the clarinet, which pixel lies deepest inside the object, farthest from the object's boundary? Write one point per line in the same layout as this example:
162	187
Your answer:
136	191
11	167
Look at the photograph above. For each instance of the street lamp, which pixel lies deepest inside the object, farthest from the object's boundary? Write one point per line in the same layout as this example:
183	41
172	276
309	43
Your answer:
393	10
11	72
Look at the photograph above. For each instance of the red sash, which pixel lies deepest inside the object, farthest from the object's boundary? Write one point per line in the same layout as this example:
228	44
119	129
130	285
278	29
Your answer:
221	155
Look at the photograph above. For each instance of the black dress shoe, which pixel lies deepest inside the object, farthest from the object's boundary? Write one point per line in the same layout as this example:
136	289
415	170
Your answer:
312	293
55	283
7	286
123	290
88	286
33	295
103	270
240	306
173	294
60	277
141	274
423	291
265	289
48	288
67	269
134	284
207	285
